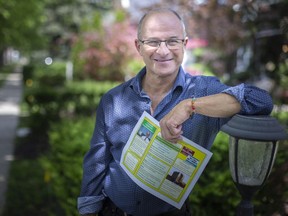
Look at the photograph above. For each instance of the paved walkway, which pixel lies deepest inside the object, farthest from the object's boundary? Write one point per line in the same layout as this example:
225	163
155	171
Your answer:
10	97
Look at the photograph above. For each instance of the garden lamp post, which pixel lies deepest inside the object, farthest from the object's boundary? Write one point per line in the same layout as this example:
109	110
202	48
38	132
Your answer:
253	143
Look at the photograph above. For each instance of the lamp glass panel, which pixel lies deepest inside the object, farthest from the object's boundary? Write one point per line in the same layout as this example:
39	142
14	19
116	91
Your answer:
253	161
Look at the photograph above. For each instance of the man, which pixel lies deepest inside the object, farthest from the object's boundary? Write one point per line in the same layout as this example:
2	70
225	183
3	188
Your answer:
165	91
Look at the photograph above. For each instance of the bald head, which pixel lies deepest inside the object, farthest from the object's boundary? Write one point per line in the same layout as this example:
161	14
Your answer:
159	11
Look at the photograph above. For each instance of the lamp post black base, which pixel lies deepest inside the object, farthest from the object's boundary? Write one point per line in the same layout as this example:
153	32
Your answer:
245	208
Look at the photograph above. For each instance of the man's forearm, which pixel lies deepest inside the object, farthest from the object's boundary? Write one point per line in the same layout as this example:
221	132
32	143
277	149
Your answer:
219	105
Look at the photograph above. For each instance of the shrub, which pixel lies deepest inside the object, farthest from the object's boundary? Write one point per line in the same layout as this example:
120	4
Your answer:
28	193
82	97
48	94
47	182
49	185
215	183
69	140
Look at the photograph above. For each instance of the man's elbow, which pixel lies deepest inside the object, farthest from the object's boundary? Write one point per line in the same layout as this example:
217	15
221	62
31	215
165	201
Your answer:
268	109
268	106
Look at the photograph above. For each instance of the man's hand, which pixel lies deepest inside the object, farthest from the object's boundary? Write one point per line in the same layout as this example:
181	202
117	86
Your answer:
220	105
171	124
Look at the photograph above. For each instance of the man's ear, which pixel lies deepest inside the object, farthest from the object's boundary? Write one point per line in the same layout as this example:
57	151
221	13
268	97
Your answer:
185	41
137	45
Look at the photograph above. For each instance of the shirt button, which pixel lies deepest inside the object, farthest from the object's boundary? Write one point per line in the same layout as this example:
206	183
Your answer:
138	202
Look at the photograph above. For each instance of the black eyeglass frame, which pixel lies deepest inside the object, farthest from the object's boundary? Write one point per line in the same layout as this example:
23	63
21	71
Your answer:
160	41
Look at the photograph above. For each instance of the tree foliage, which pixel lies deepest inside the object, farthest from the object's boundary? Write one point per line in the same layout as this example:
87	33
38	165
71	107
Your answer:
33	25
65	19
20	21
107	51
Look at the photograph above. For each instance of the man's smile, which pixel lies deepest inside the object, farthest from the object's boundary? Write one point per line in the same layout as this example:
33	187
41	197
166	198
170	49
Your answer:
163	60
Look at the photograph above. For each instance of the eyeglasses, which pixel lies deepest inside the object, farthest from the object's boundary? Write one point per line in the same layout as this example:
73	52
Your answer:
171	44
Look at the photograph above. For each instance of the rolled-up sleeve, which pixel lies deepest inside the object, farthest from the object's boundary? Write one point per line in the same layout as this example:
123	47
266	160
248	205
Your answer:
253	100
91	204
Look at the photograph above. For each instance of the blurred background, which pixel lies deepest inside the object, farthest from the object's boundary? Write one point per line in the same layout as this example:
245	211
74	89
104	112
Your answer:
69	53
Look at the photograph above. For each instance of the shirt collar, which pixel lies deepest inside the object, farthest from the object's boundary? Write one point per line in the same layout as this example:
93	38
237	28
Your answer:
137	86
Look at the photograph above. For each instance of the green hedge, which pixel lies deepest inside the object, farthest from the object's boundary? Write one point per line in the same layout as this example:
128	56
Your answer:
46	173
47	92
208	195
50	184
69	141
73	98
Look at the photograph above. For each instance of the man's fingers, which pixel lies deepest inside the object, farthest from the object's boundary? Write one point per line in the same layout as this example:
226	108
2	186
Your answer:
170	131
175	130
172	134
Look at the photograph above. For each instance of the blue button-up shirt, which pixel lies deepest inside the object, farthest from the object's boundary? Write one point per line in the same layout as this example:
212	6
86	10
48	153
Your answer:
117	114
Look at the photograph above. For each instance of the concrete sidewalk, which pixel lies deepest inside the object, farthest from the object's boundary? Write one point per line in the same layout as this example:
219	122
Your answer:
10	98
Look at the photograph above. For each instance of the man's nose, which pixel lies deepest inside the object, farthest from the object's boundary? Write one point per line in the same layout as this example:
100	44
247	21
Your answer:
163	49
